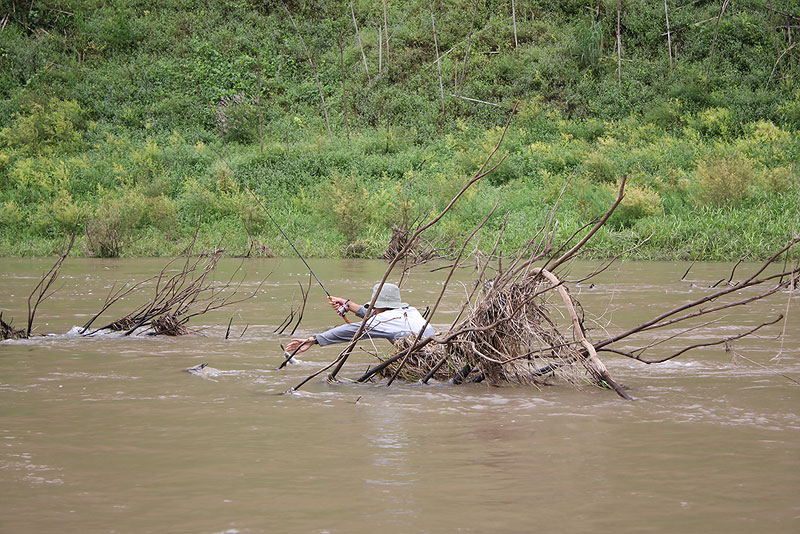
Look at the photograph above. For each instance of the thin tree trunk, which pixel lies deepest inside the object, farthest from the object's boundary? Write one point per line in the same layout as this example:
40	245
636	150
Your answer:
386	33
514	18
438	62
313	68
258	103
669	35
619	42
358	36
380	49
791	63
344	86
716	32
466	54
280	65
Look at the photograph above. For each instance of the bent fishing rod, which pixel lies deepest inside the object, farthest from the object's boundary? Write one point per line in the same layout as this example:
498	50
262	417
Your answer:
341	310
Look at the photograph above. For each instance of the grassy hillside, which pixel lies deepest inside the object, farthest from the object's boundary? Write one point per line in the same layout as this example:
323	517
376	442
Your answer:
135	122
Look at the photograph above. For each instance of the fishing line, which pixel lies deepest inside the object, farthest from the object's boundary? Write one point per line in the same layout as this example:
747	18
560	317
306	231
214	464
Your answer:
341	311
287	239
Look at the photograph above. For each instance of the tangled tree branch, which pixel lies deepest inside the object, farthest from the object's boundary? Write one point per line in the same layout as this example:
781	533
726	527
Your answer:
177	297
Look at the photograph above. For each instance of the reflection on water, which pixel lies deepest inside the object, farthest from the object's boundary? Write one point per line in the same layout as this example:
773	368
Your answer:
110	434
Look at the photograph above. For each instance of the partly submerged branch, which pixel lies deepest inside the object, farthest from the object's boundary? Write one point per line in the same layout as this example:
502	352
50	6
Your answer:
42	290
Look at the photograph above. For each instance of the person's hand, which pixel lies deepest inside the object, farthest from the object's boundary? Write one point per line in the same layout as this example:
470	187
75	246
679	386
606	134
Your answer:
339	303
301	345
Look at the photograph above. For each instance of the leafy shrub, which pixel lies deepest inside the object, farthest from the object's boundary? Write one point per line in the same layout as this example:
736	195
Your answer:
781	179
116	31
692	88
588	129
46	128
61	215
162	213
598	168
348	202
768	144
790	110
36	178
639	201
119	217
11	216
586	199
589	41
204	203
666	114
724	181
713	122
591	201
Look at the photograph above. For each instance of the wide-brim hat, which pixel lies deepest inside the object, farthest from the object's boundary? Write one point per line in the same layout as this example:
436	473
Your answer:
389	296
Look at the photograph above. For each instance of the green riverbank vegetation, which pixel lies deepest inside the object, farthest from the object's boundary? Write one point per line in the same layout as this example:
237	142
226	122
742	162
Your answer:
138	123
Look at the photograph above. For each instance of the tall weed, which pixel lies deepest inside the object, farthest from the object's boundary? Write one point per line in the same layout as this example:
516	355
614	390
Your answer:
724	181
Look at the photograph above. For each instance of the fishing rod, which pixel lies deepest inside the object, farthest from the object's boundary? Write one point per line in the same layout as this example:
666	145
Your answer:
341	310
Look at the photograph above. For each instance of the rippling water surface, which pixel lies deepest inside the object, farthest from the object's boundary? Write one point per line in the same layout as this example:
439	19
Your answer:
108	434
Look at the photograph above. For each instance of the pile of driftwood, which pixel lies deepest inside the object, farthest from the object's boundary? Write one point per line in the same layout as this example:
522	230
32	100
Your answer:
521	325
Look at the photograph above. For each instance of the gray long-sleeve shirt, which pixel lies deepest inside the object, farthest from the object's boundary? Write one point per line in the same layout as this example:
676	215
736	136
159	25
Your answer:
390	324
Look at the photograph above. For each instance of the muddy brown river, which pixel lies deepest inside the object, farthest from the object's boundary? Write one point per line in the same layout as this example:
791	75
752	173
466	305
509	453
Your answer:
109	435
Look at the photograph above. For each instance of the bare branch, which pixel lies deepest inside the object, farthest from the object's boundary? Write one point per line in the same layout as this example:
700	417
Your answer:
40	291
699	345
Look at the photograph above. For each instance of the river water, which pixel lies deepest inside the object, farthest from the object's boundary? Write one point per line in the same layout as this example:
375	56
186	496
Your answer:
109	435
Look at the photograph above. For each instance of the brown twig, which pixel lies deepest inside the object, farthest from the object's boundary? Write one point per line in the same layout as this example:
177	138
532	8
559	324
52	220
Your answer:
442	292
176	299
303	304
663	320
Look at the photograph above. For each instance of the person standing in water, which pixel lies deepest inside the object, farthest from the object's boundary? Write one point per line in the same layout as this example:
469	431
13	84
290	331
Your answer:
393	319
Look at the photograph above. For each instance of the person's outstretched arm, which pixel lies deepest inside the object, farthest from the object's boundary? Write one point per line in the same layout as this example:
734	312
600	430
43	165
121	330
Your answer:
338	334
